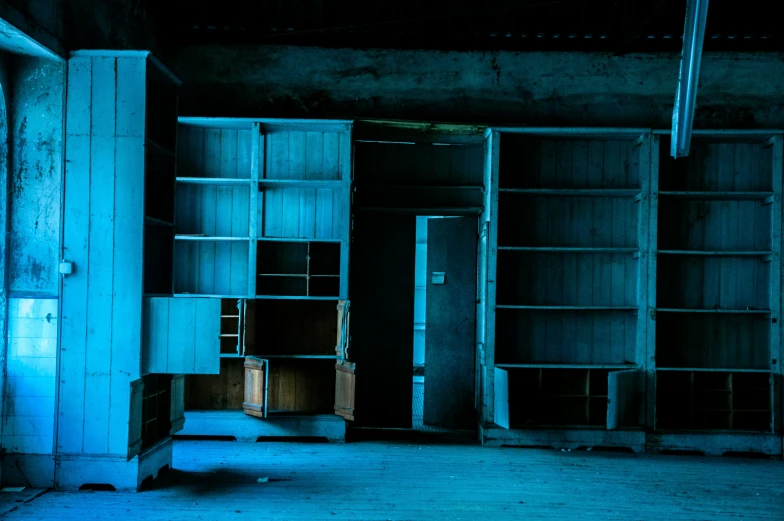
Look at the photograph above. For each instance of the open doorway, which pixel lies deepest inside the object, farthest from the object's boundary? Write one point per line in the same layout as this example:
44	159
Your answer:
414	308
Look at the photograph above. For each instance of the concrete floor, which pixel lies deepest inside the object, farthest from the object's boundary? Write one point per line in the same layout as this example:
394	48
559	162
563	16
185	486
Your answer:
402	481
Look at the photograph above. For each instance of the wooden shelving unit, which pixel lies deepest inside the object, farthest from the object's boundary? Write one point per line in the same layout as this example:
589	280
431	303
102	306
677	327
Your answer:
567	311
262	216
718	285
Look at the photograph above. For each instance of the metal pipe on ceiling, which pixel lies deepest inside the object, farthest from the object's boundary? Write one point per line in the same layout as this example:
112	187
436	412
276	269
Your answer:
686	94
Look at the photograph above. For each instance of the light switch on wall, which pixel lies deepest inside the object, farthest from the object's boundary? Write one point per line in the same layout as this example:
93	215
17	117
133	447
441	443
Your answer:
439	277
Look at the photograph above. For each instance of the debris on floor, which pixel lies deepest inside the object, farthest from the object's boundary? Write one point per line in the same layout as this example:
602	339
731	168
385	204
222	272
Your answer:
262	480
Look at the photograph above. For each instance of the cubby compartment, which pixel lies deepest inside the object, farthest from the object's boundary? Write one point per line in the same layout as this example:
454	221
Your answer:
214	154
713	282
743	165
297	155
287	210
558	397
565	336
710	226
301	386
713	340
282	258
211	267
213	211
324	258
231	327
298	269
561	162
713	400
567	221
296	328
567	279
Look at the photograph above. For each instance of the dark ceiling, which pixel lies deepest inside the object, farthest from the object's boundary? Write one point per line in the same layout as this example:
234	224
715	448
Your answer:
579	25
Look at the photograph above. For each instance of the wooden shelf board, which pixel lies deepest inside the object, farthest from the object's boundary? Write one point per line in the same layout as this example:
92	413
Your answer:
370	186
293	297
208	238
745	196
440	210
200	295
699	253
718	311
300	183
714	370
560	249
574	192
324	276
214	181
229	335
567	366
568	308
301	357
287	275
295	239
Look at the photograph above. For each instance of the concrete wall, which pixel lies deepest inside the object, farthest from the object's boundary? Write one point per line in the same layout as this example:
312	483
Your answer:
577	89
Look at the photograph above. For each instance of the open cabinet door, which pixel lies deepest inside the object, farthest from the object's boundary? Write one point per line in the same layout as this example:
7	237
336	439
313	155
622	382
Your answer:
345	379
181	335
177	411
345	387
256	387
622	399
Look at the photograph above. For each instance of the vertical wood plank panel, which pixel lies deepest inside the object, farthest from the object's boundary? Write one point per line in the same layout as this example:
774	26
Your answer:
206	345
333	144
128	244
254	224
157	346
100	272
75	247
182	335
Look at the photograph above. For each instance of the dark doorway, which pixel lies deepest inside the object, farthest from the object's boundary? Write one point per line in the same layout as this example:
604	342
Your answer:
382	307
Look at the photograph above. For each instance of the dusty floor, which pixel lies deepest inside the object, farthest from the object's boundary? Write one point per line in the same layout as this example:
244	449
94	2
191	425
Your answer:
400	481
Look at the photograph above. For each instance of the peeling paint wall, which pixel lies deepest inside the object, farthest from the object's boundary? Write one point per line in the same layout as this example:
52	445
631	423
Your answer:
535	88
36	115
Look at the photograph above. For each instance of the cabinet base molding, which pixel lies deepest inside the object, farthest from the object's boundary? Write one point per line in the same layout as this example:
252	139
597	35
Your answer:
571	439
717	444
75	470
249	429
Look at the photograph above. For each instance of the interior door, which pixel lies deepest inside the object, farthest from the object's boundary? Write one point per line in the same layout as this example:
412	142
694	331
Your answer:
382	309
450	321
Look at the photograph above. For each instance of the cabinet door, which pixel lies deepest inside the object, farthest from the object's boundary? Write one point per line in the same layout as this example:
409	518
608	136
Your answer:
181	335
256	385
623	400
177	411
345	388
341	346
135	418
